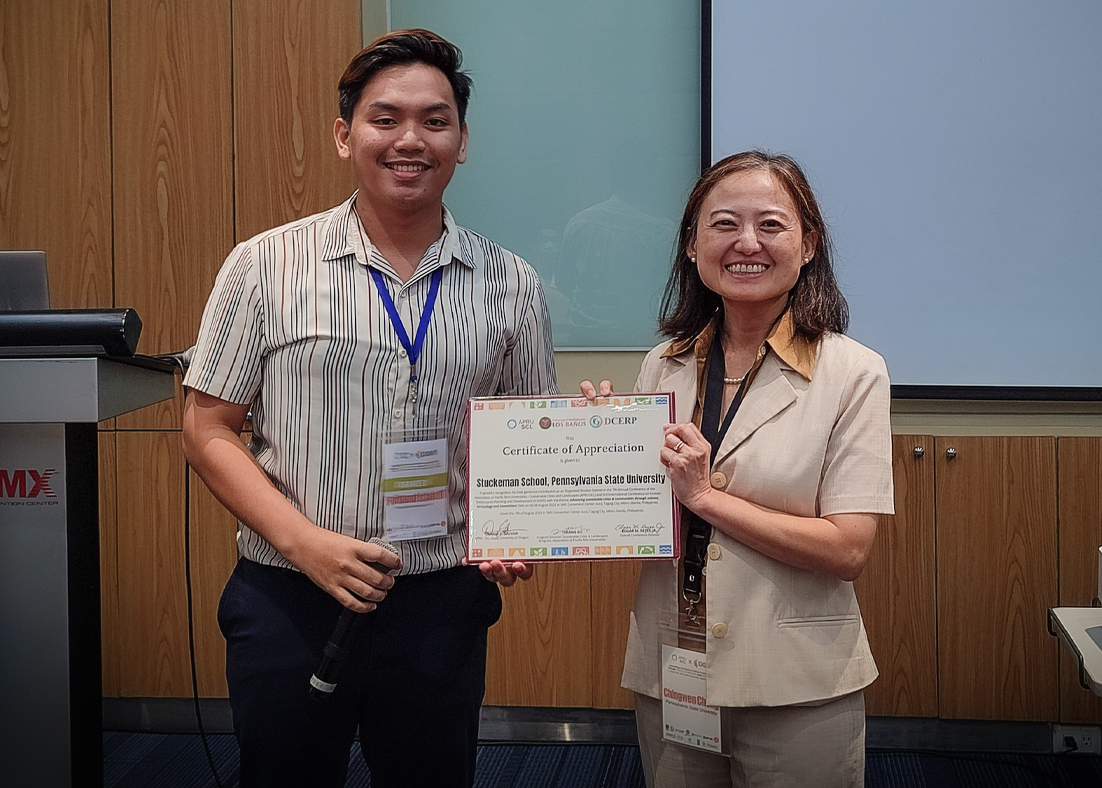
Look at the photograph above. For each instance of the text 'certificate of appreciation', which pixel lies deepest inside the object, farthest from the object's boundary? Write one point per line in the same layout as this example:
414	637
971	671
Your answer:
560	478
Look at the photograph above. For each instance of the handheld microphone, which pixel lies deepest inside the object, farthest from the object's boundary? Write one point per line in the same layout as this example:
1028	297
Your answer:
324	680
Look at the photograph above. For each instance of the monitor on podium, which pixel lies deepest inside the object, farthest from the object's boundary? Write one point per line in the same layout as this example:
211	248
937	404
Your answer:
23	283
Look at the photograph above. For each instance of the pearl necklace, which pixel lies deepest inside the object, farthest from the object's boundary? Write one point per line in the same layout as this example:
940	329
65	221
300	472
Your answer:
735	381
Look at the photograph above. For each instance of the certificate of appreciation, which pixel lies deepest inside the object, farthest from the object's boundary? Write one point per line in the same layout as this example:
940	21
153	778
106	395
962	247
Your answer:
561	478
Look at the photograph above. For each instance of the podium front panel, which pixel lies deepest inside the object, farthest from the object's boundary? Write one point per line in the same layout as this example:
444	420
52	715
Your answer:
34	605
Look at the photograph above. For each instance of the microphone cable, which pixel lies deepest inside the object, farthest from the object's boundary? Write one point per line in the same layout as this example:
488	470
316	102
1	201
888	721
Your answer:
182	360
191	623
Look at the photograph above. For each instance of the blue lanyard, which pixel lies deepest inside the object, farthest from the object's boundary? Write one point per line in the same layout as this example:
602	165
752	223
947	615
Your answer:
413	350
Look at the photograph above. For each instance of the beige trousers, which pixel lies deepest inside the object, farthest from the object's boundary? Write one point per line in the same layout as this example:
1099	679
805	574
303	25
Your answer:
797	746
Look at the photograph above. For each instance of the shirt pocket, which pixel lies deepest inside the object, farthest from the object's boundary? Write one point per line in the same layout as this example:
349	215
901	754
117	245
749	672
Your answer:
818	621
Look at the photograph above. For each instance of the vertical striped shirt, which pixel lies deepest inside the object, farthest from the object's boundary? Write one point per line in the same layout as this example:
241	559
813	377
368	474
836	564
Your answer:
295	328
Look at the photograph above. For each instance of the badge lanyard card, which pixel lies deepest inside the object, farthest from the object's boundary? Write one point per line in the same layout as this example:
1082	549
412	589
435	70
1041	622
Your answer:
415	483
687	718
415	459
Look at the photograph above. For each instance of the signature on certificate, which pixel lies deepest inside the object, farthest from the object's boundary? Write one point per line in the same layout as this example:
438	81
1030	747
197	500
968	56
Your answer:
504	528
573	530
639	529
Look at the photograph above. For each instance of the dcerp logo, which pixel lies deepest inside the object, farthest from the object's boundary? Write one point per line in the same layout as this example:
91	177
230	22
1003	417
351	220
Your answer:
26	483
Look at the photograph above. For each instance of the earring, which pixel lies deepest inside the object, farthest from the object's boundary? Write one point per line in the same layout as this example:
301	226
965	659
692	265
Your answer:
692	259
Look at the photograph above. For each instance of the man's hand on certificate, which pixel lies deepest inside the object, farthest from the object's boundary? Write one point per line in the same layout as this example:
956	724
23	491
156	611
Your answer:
504	573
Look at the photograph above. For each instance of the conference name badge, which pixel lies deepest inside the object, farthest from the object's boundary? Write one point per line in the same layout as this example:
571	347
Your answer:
415	489
687	718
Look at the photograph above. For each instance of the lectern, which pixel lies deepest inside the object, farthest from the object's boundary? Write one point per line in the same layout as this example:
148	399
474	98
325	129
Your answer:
50	658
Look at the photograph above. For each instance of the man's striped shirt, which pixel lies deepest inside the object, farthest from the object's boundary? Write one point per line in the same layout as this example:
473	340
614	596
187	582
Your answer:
295	328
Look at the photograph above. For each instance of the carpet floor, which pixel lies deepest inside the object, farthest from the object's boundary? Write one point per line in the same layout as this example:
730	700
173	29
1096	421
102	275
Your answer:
158	760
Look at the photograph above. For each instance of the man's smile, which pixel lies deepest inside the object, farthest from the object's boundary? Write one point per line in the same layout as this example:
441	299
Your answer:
406	166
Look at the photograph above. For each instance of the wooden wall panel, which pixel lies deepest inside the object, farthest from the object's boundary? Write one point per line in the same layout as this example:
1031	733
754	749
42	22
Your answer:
108	564
173	169
213	557
152	629
996	558
55	143
613	595
897	590
288	56
1080	471
541	650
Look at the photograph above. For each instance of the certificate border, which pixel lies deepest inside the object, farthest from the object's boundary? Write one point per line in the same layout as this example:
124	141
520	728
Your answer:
676	515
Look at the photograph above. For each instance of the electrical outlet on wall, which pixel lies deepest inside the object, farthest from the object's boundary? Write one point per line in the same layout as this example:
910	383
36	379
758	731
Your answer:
1085	739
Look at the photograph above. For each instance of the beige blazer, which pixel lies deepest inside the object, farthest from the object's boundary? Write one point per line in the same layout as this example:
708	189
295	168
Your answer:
778	635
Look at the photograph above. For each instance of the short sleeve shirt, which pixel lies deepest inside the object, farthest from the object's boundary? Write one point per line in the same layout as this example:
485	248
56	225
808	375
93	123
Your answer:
295	328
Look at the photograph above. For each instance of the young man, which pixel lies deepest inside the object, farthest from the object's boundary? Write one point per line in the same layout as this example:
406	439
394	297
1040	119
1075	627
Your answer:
370	323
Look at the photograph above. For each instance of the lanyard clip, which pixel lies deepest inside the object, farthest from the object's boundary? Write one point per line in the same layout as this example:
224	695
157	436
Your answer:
692	620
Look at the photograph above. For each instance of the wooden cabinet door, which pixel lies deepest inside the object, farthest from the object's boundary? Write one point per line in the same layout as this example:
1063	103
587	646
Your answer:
897	590
612	585
996	563
541	651
1080	536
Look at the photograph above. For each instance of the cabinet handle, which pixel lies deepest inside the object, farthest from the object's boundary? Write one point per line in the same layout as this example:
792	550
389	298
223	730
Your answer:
950	453
919	452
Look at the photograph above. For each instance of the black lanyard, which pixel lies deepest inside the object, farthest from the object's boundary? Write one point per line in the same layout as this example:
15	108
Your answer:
699	532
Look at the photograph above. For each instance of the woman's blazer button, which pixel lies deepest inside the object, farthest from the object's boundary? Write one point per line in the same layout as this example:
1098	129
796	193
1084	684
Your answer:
719	629
719	480
714	552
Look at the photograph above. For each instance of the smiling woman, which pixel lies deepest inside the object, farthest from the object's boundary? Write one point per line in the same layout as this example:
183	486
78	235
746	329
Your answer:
781	473
750	246
816	303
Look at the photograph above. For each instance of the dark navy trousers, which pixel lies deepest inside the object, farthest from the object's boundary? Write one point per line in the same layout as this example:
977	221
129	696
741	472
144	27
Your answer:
413	682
